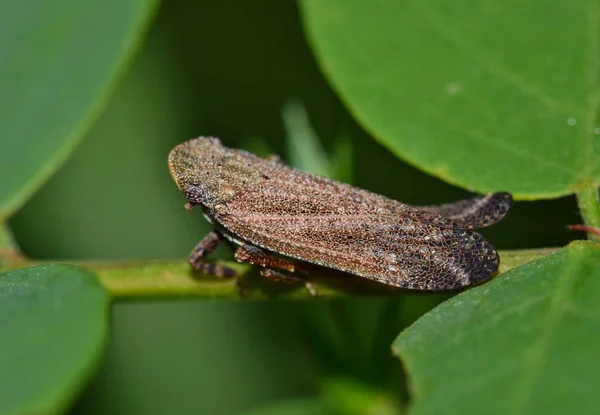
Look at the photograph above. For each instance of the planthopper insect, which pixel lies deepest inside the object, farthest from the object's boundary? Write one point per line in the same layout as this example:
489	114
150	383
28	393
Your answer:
280	217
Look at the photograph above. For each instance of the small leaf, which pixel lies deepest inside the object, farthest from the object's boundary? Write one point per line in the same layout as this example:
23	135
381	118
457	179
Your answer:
348	396
304	148
59	61
53	320
524	343
488	95
298	406
342	159
306	152
6	239
343	396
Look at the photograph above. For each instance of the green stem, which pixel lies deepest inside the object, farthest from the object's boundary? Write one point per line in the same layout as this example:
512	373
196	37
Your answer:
139	280
589	207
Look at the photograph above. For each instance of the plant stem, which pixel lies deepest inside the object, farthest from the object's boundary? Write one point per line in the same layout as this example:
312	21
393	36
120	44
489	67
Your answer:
158	279
589	207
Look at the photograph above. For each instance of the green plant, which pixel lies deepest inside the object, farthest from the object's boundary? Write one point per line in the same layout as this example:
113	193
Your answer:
487	96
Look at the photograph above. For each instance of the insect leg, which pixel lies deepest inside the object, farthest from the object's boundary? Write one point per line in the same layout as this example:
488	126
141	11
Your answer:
290	279
257	256
205	247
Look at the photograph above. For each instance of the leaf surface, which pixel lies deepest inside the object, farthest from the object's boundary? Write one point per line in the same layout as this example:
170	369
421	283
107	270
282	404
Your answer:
53	320
58	62
524	343
488	95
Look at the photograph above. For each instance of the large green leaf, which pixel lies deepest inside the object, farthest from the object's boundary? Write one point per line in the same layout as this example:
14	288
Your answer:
488	94
525	343
58	60
53	323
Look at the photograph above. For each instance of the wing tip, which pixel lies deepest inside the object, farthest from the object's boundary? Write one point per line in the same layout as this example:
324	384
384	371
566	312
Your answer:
477	262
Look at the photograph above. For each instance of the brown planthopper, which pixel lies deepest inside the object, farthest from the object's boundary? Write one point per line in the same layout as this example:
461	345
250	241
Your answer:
279	216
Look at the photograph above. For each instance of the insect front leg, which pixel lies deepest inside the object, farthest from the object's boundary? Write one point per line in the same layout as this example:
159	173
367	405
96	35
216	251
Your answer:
205	247
270	263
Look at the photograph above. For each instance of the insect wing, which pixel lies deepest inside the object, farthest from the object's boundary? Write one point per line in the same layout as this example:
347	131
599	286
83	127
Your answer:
321	227
477	212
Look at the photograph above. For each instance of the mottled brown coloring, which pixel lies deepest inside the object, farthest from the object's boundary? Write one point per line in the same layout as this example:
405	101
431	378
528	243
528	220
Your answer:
264	203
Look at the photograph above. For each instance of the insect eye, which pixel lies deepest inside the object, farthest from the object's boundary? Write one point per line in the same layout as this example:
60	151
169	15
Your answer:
195	194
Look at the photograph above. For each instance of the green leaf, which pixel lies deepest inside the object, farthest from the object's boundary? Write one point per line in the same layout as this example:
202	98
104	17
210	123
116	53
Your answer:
523	343
488	95
304	147
305	150
6	238
59	61
348	396
340	395
342	159
53	320
298	406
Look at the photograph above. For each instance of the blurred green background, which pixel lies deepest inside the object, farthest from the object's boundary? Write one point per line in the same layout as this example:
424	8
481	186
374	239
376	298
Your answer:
226	68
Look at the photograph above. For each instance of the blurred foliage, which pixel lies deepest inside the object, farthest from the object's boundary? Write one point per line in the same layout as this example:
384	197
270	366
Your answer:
43	75
228	69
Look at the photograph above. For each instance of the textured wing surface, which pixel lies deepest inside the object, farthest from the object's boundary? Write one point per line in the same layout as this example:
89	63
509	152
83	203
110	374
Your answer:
360	233
477	212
